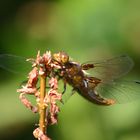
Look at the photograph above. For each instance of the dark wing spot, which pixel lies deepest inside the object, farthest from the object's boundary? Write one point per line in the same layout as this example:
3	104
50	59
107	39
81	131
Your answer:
138	82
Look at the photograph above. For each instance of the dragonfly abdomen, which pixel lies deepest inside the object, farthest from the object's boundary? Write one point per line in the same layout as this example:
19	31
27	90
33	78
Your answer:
92	96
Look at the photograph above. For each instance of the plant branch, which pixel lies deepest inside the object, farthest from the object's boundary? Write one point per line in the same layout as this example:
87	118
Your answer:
42	107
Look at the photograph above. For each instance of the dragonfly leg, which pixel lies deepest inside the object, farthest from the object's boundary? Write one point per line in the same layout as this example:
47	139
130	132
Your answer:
65	86
73	91
63	91
65	100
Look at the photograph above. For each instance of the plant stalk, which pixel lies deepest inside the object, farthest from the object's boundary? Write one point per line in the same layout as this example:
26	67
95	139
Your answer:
42	107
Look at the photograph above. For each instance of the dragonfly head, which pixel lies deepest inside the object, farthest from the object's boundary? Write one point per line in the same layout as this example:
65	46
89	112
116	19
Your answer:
61	57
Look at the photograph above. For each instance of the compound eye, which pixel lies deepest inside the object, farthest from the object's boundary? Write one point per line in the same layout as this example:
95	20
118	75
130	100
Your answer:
61	57
64	58
56	57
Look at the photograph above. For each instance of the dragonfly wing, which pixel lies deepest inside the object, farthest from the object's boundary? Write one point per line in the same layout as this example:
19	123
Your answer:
120	91
14	64
111	69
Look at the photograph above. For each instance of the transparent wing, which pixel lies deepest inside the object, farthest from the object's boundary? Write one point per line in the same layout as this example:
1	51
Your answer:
120	91
111	69
14	64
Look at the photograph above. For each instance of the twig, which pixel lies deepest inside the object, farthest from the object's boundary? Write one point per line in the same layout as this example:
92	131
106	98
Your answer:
42	106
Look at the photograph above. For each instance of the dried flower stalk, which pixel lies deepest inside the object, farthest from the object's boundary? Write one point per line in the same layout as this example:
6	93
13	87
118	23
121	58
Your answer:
42	107
43	68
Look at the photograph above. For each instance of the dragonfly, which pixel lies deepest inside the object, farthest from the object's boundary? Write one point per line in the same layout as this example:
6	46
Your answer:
102	87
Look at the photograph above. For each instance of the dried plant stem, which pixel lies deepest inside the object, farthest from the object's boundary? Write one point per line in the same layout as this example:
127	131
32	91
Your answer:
42	107
43	67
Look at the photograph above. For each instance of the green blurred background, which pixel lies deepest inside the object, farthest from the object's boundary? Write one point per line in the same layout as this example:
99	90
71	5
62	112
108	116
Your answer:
86	30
